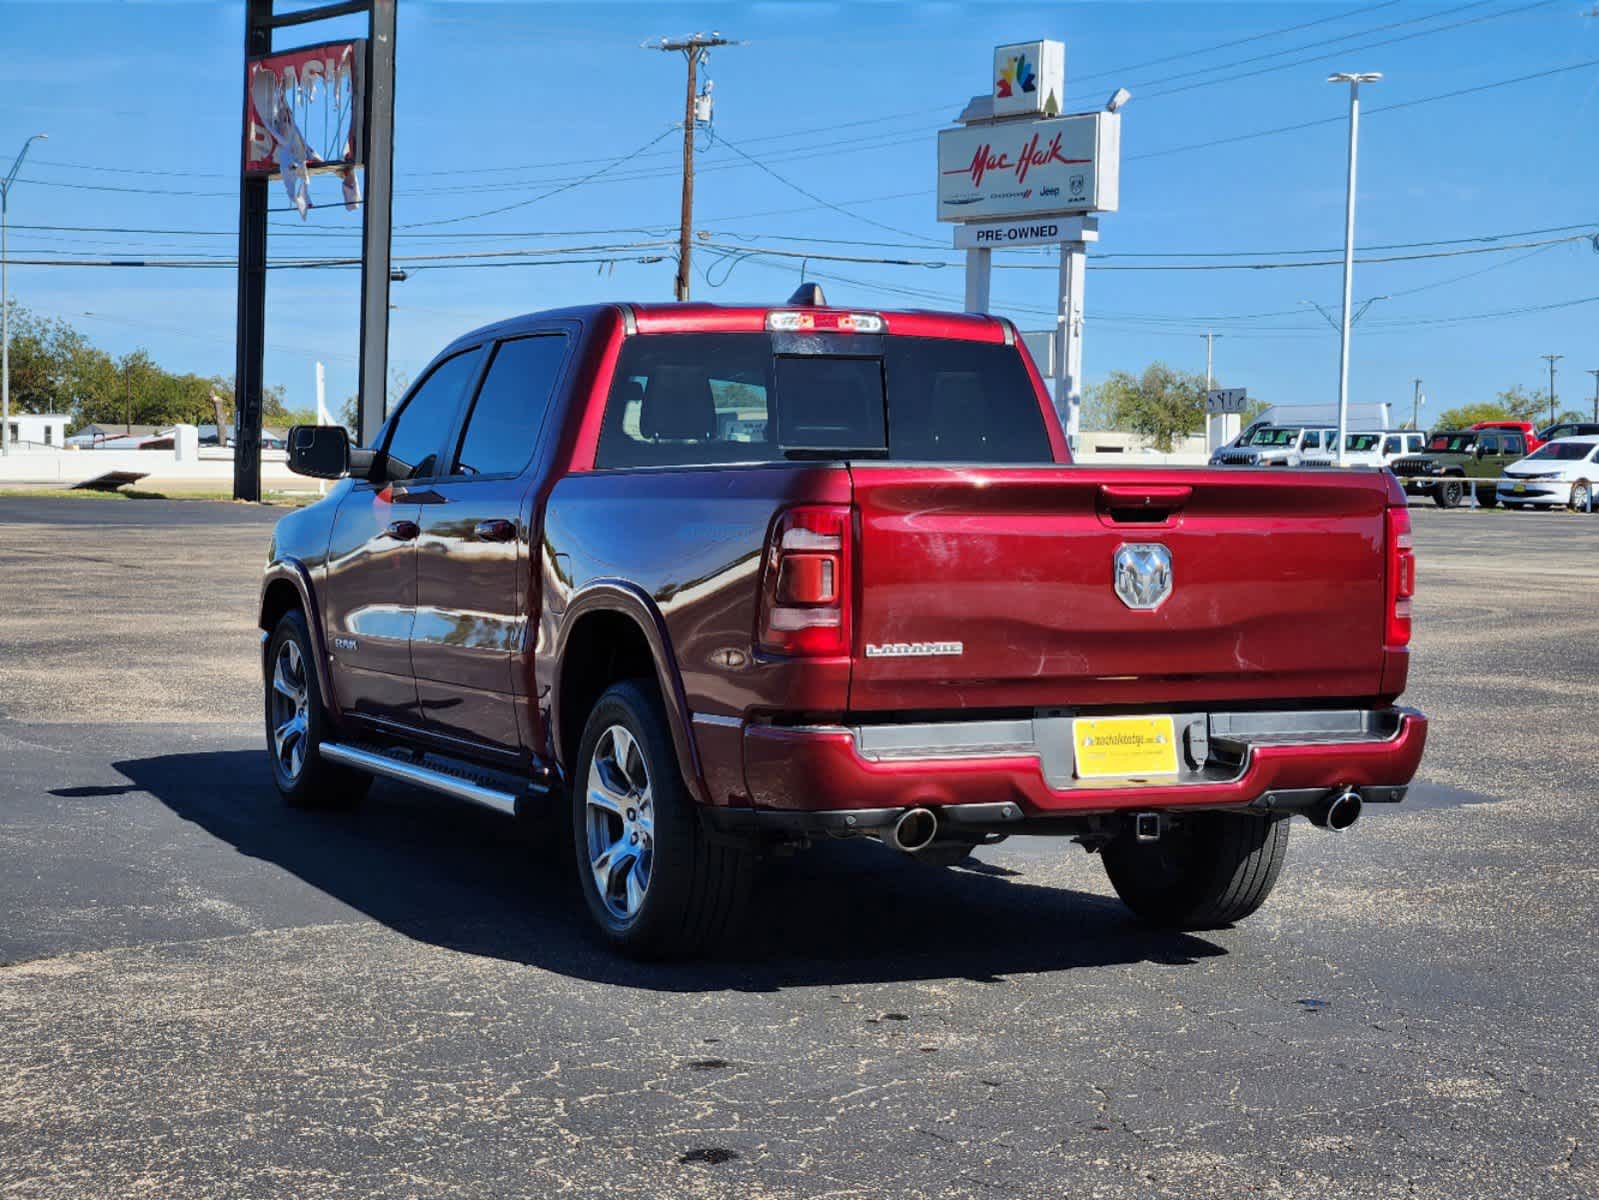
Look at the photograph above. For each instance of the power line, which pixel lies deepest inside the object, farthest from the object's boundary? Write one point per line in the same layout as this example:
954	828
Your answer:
810	195
1382	108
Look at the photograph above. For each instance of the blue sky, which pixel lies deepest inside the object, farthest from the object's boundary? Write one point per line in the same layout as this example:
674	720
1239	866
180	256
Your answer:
498	103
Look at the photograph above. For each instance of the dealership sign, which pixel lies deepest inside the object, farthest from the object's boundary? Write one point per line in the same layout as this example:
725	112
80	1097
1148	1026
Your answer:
1022	168
1029	231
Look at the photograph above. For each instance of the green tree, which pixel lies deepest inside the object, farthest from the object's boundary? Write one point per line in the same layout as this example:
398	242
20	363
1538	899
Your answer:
1162	404
1521	404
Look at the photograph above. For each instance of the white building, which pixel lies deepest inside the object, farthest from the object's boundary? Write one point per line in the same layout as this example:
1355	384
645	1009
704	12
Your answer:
37	429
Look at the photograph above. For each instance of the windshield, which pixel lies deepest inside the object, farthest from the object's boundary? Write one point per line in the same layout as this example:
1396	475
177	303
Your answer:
1360	442
1564	451
1273	436
1452	443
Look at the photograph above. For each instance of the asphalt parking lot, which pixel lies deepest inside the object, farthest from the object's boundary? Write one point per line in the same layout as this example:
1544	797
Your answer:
205	994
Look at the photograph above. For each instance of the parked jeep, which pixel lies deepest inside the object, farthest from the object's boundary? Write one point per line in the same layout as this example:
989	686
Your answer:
707	583
1276	446
1460	459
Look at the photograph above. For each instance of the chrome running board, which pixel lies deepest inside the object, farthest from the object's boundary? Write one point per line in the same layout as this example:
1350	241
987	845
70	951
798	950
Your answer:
426	777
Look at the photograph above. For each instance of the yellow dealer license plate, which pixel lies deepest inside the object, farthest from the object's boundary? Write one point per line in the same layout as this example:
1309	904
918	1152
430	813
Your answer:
1519	488
1121	746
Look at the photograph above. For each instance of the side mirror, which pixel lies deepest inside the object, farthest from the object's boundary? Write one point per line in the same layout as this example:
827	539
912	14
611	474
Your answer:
320	451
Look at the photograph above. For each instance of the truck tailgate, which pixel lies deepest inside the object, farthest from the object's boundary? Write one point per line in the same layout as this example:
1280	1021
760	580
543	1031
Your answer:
994	587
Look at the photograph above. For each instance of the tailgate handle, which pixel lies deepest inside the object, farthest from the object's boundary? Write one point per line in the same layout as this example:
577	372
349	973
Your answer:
1143	503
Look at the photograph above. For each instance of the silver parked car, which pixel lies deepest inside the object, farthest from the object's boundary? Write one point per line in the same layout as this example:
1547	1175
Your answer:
1276	446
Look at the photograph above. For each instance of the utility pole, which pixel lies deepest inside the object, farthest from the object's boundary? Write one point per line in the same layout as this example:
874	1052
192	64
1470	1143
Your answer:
694	49
1551	359
1354	79
5	294
1595	374
1210	358
1415	405
127	399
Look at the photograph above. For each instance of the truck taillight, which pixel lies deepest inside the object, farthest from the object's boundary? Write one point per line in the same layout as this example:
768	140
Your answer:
788	321
805	588
1401	577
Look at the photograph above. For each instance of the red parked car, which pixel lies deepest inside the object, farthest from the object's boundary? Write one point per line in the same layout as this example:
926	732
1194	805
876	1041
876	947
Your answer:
708	582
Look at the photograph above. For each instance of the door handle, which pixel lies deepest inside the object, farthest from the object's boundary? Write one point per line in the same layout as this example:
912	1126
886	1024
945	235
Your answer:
401	531
494	531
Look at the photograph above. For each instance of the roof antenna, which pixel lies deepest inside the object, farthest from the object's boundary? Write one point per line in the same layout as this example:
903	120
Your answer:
808	295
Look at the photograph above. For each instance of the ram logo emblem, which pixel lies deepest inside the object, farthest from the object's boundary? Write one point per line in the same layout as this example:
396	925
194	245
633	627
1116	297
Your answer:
1143	574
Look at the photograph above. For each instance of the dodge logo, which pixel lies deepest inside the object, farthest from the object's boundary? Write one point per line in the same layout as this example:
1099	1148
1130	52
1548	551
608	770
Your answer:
1143	574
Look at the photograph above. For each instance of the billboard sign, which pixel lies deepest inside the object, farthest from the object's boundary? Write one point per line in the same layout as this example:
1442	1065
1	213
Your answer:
1226	400
303	109
1028	168
1029	77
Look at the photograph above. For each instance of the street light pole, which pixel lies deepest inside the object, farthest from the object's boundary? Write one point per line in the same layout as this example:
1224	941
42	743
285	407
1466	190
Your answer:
1415	406
1551	359
1354	80
5	293
1595	374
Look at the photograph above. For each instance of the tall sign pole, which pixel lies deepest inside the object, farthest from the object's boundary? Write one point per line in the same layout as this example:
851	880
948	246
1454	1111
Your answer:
1020	174
250	342
377	222
273	146
1354	80
1069	324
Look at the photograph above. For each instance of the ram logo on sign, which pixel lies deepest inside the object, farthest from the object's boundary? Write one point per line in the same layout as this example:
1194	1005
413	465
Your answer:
1023	168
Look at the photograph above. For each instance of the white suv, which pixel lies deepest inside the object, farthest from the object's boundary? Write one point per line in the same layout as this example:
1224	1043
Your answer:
1369	448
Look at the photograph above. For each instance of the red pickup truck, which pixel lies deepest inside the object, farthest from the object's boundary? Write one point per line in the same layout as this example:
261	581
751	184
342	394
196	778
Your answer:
709	582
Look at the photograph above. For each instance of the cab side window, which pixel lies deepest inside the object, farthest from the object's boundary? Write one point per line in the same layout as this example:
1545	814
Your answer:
1390	445
417	435
503	427
1511	444
1488	444
1312	439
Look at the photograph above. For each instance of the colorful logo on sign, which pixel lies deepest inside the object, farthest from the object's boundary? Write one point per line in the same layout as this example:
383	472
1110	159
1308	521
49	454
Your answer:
1017	78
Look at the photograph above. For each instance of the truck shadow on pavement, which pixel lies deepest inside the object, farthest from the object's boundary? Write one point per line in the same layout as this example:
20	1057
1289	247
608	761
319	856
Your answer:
468	880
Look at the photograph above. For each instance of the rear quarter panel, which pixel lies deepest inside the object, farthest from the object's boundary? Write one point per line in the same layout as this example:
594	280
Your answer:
689	539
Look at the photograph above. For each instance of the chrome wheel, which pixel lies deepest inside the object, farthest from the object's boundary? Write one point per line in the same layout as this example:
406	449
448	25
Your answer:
620	822
1581	494
290	697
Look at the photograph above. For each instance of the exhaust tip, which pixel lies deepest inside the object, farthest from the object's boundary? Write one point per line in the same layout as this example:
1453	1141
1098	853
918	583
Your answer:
1339	811
915	830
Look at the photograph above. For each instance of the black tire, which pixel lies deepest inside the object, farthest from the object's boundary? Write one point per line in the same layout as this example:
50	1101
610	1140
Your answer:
1487	497
1448	493
1584	501
1207	871
694	887
315	784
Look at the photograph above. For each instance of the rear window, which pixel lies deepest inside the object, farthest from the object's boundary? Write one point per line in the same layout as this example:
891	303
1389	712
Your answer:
689	399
